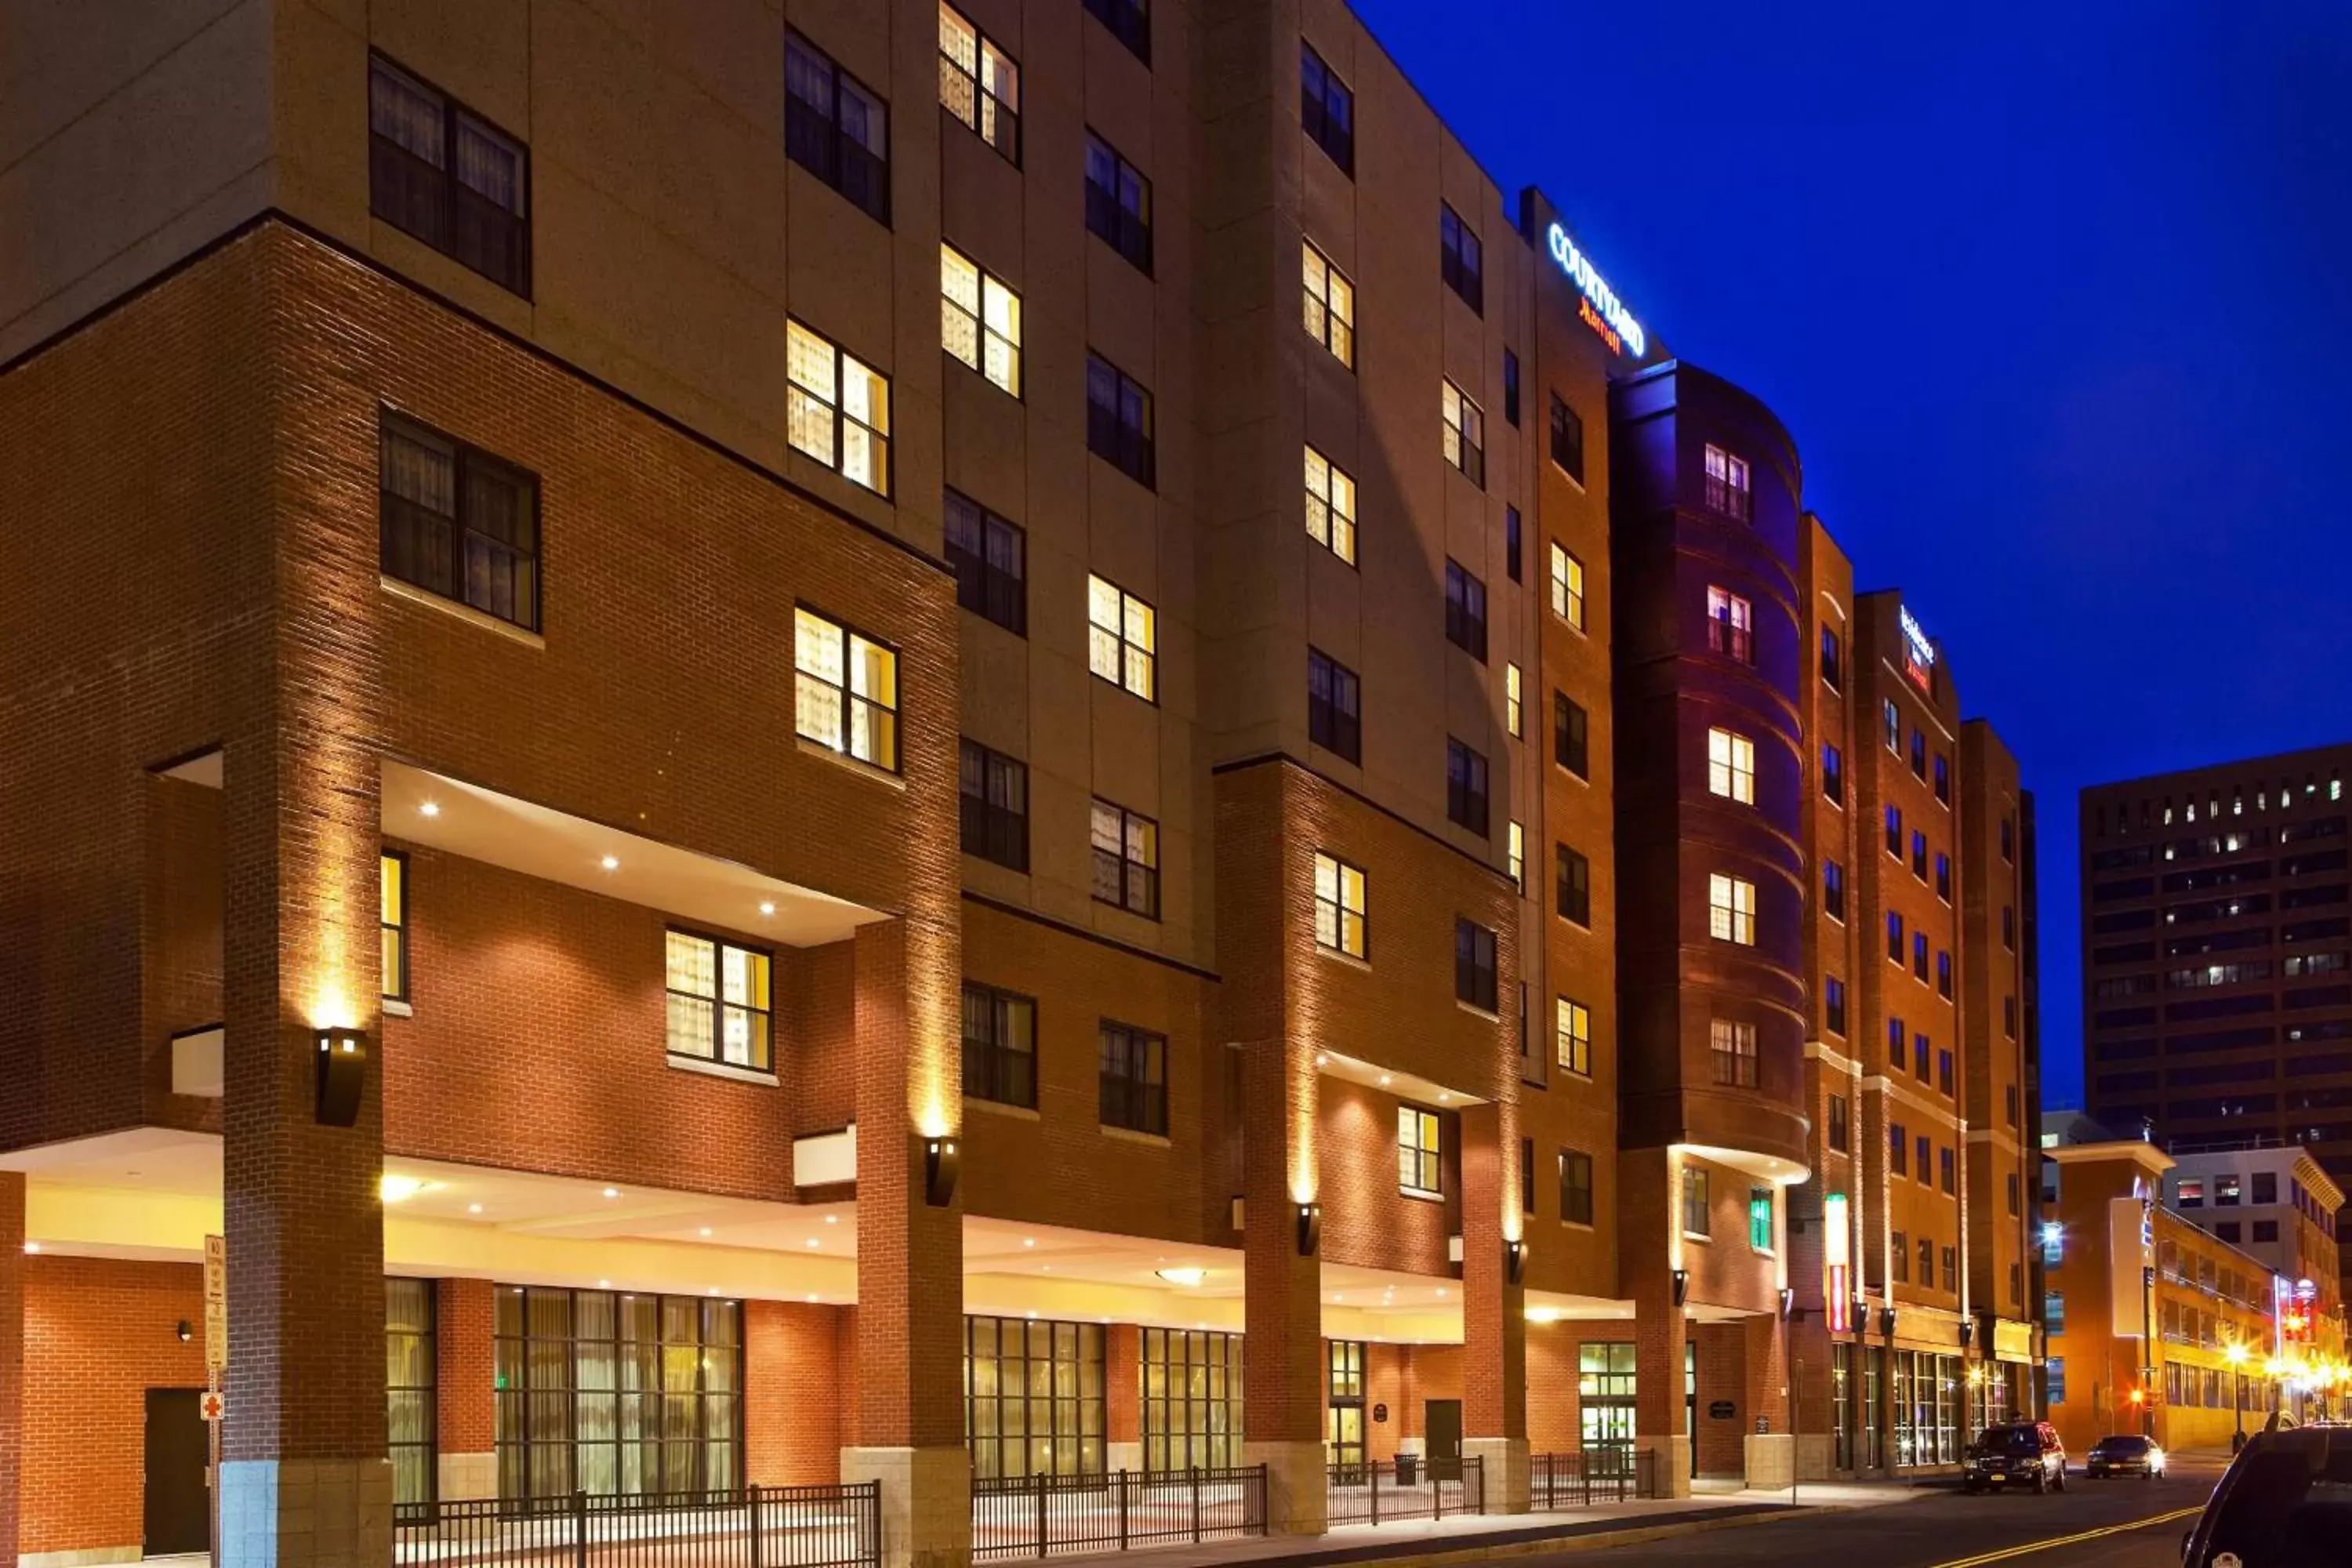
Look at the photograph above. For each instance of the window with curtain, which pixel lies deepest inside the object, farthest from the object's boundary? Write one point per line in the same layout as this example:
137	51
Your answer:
1192	1399
1034	1397
408	1381
448	177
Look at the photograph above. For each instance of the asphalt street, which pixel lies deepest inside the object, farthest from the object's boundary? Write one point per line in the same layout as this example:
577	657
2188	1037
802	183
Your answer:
2092	1524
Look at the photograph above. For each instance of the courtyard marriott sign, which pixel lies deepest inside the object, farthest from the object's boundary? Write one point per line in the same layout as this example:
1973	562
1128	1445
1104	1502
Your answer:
1601	308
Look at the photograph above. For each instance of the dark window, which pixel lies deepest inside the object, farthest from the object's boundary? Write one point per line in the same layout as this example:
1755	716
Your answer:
1000	1045
1919	1063
991	557
2009	1102
1833	889
2228	1230
2265	1185
1326	109
1902	1255
1474	964
1575	1187
1834	1006
1130	22
1927	1177
1732	1044
994	805
1943	974
1126	859
1898	1156
2008	1016
1919	954
1574	892
1134	1079
2008	839
1944	876
1566	438
1833	672
1697	1218
1511	542
1571	731
1511	387
1840	1126
1894	937
836	129
1918	854
459	523
1465	612
1895	831
2008	928
448	177
1118	203
1944	1072
2266	1230
1460	259
1894	1036
1834	774
1943	778
1119	421
1334	706
1466	788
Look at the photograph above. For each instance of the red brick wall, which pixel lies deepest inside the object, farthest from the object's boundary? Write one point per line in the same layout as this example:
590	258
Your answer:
1123	1384
1722	1379
13	1265
98	1334
1367	1220
794	1404
181	952
465	1349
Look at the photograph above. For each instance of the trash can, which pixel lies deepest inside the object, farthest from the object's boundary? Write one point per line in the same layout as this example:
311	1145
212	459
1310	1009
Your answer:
1407	1469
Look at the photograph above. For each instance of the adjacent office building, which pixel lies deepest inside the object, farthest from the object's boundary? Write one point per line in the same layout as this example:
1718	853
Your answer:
933	743
2217	972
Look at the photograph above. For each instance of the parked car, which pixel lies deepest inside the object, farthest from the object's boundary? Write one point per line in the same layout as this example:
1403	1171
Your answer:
2124	1453
2016	1453
2286	1502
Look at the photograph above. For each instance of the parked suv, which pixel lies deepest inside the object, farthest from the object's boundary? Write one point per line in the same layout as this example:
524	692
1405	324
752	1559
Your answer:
2016	1453
2286	1502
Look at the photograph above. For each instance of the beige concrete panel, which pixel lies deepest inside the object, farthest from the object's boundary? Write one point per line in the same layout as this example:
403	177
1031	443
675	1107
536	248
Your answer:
858	34
476	51
981	199
1060	858
318	116
1240	51
993	673
734	54
1122	542
987	432
1118	87
59	67
469	289
839	274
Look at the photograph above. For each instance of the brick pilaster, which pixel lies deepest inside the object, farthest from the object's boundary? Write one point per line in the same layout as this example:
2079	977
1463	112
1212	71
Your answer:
464	1394
1649	1204
1493	1315
1123	1394
1282	1398
793	1408
12	1359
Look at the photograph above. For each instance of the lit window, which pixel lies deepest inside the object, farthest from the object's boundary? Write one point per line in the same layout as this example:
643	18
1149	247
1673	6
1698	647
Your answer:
1567	587
837	409
1731	910
1732	766
1517	862
1892	718
1126	859
980	319
1727	484
1330	505
1339	906
1730	625
393	870
719	1008
1696	1208
849	696
979	83
1572	1036
1122	639
1513	714
1465	432
1733	1046
1759	1218
1331	304
836	129
1118	203
1419	1167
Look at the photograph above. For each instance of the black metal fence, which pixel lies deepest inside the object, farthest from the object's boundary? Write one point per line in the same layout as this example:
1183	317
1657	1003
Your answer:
1580	1478
1407	1487
1037	1516
758	1526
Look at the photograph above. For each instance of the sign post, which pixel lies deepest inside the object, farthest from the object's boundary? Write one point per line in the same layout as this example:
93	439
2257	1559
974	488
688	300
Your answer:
215	1363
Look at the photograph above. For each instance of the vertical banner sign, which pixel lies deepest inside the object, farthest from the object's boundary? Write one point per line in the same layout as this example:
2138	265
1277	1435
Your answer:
1837	1267
215	1305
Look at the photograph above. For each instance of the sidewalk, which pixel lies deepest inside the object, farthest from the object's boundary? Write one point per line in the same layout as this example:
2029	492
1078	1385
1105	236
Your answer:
1463	1537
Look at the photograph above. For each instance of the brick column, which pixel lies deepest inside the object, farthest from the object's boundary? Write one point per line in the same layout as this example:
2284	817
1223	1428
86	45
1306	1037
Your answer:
1771	1455
1282	1398
1494	1310
304	1479
1123	1396
909	1432
794	1406
1647	1229
12	1359
465	1393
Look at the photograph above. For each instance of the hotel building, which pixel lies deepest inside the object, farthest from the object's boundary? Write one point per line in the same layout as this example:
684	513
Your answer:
2217	972
744	741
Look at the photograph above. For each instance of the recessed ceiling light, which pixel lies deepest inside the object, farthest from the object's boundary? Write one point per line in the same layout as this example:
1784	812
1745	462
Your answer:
1044	1268
1443	1095
611	862
473	1208
604	1284
814	1296
833	1219
714	1290
31	1246
1440	1290
1321	1059
430	808
1187	1277
811	1241
1028	1241
612	1192
1384	1081
767	906
705	1230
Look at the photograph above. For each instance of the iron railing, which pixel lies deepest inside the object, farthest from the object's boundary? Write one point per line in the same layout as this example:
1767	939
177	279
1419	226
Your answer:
1409	1486
1579	1478
1038	1516
757	1527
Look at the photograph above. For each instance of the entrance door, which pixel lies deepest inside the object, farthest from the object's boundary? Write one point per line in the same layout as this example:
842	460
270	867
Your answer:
178	1512
1442	1422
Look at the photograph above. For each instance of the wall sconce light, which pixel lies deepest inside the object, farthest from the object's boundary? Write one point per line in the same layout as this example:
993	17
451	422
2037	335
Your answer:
941	1163
185	1330
1682	1286
1310	1229
1861	1315
1515	1260
1788	1302
1967	1333
1886	1322
342	1076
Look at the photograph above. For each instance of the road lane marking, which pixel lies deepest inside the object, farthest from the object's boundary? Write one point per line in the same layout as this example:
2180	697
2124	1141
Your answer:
2009	1552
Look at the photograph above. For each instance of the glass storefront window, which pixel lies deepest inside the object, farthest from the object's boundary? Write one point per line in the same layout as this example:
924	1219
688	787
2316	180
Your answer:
1192	1399
1033	1400
408	1379
1604	1394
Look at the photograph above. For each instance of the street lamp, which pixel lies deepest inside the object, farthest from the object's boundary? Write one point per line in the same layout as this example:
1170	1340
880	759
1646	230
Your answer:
2235	1354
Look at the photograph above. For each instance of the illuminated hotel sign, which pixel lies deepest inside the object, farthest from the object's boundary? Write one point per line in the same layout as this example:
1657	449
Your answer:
1919	655
1837	1271
1599	309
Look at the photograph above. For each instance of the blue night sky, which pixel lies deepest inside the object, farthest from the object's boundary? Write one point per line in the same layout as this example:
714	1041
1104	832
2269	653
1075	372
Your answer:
2056	300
